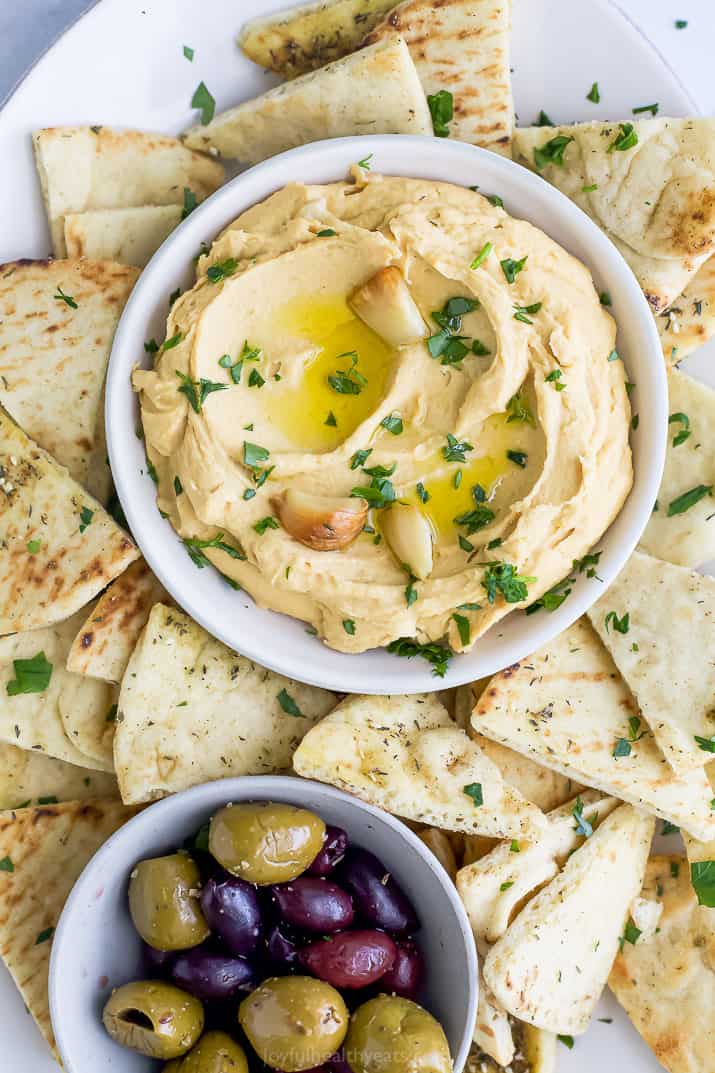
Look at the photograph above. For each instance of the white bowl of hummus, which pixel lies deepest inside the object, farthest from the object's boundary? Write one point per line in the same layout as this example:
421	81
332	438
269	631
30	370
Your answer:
403	418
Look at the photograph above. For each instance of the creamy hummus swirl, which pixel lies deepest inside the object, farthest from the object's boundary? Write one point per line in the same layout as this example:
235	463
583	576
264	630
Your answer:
531	423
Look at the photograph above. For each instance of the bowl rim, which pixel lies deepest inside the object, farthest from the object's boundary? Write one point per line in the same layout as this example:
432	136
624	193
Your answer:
215	794
279	642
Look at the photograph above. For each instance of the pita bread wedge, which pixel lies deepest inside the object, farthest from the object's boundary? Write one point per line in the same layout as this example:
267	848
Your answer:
302	38
374	91
666	653
462	46
690	321
553	961
406	755
46	848
666	984
67	716
103	646
130	236
568	708
496	886
53	357
686	538
86	168
533	1051
191	710
649	184
29	777
545	789
59	546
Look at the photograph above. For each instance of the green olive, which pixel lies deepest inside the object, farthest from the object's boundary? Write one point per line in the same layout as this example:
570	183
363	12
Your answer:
393	1035
215	1052
164	902
154	1018
294	1022
265	843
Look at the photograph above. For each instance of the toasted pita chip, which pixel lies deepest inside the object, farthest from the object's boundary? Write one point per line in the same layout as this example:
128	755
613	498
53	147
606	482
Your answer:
568	708
302	38
655	199
687	538
461	46
553	961
44	850
53	357
406	755
374	91
29	777
130	236
191	710
70	717
86	168
665	653
494	887
59	546
103	646
666	984
690	321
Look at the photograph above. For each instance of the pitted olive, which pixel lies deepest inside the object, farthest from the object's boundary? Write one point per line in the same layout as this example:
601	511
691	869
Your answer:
154	1018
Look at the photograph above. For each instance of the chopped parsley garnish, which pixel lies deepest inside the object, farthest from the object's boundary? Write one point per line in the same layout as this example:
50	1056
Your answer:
520	312
85	518
266	523
435	654
517	409
463	628
668	828
173	296
475	519
331	421
512	268
189	53
197	391
614	356
190	203
410	590
706	744
688	499
554	377
589	189
474	790
202	99
365	162
482	255
378	493
288	705
567	1041
253	454
685	432
66	298
631	934
594	94
111	716
6	865
327	232
195	547
702	877
349	626
680	24
623	745
151	346
519	458
552	152
652	108
174	341
360	457
504	578
514	847
620	625
441	106
544	120
625	140
448	344
44	935
31	675
552	599
507	885
605	298
348	381
221	270
588	564
495	200
455	451
465	544
457	479
33	546
393	423
178	486
255	379
583	826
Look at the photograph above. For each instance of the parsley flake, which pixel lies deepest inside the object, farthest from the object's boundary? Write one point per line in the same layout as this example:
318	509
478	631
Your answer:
441	106
288	705
66	298
31	675
203	100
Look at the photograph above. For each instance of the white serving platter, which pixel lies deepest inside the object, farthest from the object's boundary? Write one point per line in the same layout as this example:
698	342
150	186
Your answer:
122	64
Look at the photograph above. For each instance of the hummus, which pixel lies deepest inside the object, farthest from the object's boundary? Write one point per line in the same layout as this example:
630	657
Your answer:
506	428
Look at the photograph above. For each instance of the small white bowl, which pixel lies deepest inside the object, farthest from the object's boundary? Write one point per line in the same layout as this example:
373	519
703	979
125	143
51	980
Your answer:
282	643
96	948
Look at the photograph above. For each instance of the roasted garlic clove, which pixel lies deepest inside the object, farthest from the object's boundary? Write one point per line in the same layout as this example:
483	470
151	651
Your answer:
385	304
324	523
409	535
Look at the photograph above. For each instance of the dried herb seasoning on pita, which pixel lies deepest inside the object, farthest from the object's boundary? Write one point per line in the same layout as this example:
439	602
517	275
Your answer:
690	321
378	86
29	777
649	184
59	546
407	755
57	323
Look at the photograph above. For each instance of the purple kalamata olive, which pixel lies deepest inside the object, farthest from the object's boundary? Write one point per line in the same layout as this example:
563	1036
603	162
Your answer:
351	959
378	898
209	976
333	851
282	949
230	906
314	904
405	976
158	962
